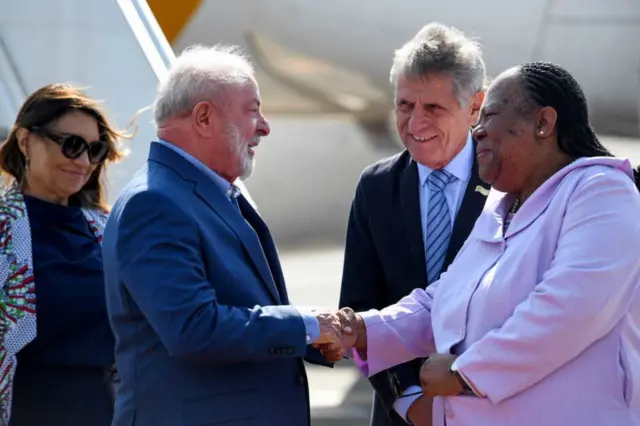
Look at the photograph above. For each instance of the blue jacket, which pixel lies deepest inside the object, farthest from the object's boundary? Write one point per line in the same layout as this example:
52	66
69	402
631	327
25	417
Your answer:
199	308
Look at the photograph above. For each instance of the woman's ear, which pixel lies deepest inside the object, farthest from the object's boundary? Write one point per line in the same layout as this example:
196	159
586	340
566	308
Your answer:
22	135
546	121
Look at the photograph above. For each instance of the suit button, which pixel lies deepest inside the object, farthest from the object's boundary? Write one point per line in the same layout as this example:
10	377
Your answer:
302	380
272	351
289	350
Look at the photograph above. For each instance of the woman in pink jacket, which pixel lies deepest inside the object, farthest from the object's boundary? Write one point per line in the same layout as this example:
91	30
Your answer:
537	321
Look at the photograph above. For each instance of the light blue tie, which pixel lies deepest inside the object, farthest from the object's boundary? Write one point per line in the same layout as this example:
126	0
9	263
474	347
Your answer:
438	223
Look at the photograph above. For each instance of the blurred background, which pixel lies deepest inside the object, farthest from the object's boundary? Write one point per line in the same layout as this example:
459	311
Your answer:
323	73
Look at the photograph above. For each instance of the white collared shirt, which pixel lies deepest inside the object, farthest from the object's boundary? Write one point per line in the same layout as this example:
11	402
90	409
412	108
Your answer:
460	167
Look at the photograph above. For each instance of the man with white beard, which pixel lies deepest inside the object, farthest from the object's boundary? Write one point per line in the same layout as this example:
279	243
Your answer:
196	297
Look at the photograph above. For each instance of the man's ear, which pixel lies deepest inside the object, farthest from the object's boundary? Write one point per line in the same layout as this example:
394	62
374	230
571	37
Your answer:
206	118
476	104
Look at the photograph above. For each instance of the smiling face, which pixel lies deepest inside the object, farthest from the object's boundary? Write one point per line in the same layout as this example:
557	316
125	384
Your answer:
431	122
225	132
517	146
51	176
244	128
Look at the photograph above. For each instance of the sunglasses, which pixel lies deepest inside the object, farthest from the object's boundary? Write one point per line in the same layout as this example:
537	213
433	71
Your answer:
74	146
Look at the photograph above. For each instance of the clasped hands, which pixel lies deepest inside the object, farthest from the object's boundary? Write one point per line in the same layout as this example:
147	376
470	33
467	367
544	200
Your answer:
345	329
339	332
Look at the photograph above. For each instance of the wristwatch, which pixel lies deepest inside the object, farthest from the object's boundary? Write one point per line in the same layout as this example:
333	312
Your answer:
466	389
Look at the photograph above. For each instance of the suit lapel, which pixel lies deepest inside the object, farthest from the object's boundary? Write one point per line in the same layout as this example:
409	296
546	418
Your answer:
268	246
212	196
207	190
473	201
472	204
410	203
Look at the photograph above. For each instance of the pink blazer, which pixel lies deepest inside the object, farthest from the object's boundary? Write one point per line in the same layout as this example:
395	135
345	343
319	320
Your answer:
548	314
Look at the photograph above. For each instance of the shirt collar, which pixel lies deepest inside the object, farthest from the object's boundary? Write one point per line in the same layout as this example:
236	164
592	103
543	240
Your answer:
460	166
228	189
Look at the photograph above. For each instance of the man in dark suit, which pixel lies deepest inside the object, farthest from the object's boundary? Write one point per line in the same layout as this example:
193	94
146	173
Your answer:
412	212
196	297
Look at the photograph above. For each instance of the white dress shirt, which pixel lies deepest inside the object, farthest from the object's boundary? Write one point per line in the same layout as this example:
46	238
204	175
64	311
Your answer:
460	167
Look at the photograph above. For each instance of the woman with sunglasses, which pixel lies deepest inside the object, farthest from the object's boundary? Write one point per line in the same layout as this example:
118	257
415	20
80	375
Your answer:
56	345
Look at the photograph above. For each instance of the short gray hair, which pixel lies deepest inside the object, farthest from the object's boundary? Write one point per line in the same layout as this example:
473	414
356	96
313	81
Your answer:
198	74
440	49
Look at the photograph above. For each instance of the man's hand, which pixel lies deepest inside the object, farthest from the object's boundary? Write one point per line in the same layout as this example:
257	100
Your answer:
332	352
421	411
330	329
351	334
358	330
436	377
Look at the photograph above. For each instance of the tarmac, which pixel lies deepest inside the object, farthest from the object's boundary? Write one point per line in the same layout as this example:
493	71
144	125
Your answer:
340	396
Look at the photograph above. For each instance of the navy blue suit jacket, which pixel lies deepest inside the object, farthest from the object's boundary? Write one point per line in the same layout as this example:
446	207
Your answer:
385	256
198	305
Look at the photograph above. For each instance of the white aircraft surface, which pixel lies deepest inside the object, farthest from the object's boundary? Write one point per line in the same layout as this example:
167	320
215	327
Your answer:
323	71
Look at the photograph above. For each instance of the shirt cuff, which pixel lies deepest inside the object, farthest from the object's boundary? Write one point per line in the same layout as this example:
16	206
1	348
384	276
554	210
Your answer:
475	390
311	326
402	405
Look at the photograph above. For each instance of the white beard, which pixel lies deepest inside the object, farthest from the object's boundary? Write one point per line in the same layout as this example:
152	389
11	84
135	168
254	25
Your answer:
241	149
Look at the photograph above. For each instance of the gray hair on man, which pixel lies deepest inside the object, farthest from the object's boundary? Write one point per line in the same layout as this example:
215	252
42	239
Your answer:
441	49
200	73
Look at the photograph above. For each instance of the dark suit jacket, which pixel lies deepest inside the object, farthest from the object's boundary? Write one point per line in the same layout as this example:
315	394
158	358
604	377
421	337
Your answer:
385	255
189	282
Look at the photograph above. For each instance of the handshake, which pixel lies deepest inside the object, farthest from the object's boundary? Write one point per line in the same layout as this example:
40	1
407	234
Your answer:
339	332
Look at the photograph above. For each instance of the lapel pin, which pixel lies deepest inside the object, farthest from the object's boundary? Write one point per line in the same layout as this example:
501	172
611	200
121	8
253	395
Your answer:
481	189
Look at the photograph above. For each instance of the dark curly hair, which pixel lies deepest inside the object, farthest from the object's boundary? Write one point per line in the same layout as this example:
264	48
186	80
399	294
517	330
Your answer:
548	84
